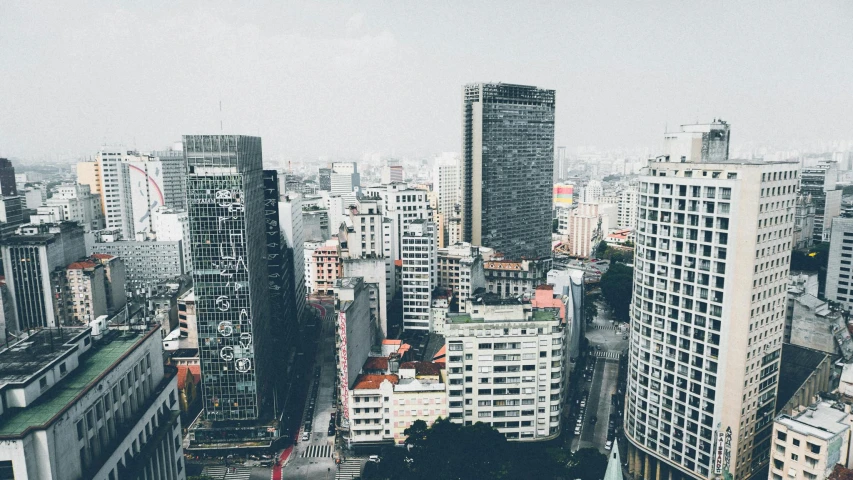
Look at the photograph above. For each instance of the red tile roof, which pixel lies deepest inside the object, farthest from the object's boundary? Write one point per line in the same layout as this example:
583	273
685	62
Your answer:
422	368
376	363
372	382
81	265
502	265
102	256
182	374
440	354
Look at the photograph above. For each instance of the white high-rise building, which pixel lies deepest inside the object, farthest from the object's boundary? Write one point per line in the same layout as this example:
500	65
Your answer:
584	229
627	208
446	184
506	366
344	178
420	273
402	205
707	316
169	225
392	171
592	192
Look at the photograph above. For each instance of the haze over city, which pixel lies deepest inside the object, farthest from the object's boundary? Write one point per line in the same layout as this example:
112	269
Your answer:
337	79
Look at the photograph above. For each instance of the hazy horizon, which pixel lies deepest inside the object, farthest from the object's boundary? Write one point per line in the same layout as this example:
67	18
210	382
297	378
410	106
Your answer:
338	79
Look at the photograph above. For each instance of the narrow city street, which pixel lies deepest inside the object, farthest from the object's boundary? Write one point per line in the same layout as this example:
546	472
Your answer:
314	458
606	342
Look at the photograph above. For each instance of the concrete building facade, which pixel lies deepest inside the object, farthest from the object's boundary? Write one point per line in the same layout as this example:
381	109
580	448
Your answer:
420	273
707	316
507	167
839	271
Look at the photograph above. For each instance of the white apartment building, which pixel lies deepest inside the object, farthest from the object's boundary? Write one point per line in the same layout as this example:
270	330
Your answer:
170	225
309	246
89	403
809	444
707	316
77	204
445	180
506	366
383	405
419	274
627	208
402	205
592	192
839	272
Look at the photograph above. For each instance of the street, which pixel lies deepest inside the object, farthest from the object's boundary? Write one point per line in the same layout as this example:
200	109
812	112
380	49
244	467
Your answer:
315	458
606	343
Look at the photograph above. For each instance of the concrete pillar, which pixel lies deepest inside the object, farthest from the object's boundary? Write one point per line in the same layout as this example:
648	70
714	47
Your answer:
657	470
669	473
637	462
647	467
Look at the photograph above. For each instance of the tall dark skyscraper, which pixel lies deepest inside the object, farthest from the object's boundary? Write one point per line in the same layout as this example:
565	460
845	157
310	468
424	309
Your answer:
225	200
7	178
508	168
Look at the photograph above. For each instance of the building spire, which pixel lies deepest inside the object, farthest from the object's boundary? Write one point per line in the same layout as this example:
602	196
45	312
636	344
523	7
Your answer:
614	465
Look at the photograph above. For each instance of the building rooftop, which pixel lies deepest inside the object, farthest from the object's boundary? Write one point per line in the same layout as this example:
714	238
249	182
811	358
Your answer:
103	256
22	360
422	368
823	420
503	266
81	265
94	364
372	382
796	365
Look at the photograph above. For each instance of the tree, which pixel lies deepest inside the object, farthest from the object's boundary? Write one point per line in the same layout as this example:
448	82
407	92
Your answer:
453	451
616	286
590	309
587	464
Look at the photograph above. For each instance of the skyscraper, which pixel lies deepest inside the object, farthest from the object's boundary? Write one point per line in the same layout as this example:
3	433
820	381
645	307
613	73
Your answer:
420	274
708	315
225	199
507	168
8	188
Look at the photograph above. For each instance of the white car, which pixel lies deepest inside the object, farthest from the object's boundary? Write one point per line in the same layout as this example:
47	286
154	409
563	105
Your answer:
608	445
305	436
577	430
373	458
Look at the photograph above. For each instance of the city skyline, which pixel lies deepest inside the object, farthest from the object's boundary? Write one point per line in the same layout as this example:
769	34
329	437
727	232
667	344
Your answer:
620	83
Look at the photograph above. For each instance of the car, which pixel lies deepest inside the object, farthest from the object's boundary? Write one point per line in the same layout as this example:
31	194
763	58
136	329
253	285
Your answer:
267	463
373	458
608	445
306	436
331	432
577	430
583	403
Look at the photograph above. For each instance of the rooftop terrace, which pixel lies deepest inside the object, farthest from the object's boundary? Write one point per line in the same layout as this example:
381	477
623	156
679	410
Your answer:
94	363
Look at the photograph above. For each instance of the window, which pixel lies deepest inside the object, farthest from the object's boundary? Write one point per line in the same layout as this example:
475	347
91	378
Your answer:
80	430
43	382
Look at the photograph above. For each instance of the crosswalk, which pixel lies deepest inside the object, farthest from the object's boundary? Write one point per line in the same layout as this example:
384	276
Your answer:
227	473
603	327
349	469
610	355
317	451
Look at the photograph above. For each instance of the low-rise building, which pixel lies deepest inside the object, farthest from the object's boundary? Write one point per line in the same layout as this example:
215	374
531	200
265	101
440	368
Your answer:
810	443
89	403
460	268
511	278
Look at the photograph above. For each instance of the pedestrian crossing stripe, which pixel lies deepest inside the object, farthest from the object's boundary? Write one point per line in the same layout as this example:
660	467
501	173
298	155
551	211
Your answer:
610	355
227	473
317	451
349	469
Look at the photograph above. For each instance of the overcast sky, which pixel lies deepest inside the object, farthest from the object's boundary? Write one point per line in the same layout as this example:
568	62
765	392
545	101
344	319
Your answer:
338	79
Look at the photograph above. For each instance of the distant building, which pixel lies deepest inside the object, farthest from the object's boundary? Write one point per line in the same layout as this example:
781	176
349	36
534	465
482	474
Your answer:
8	186
584	230
147	263
510	279
77	204
627	208
401	205
460	269
804	217
592	192
326	261
325	179
89	403
34	263
392	171
839	273
820	182
507	168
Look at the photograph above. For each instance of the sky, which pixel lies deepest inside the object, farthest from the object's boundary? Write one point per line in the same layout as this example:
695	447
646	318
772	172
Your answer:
338	79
